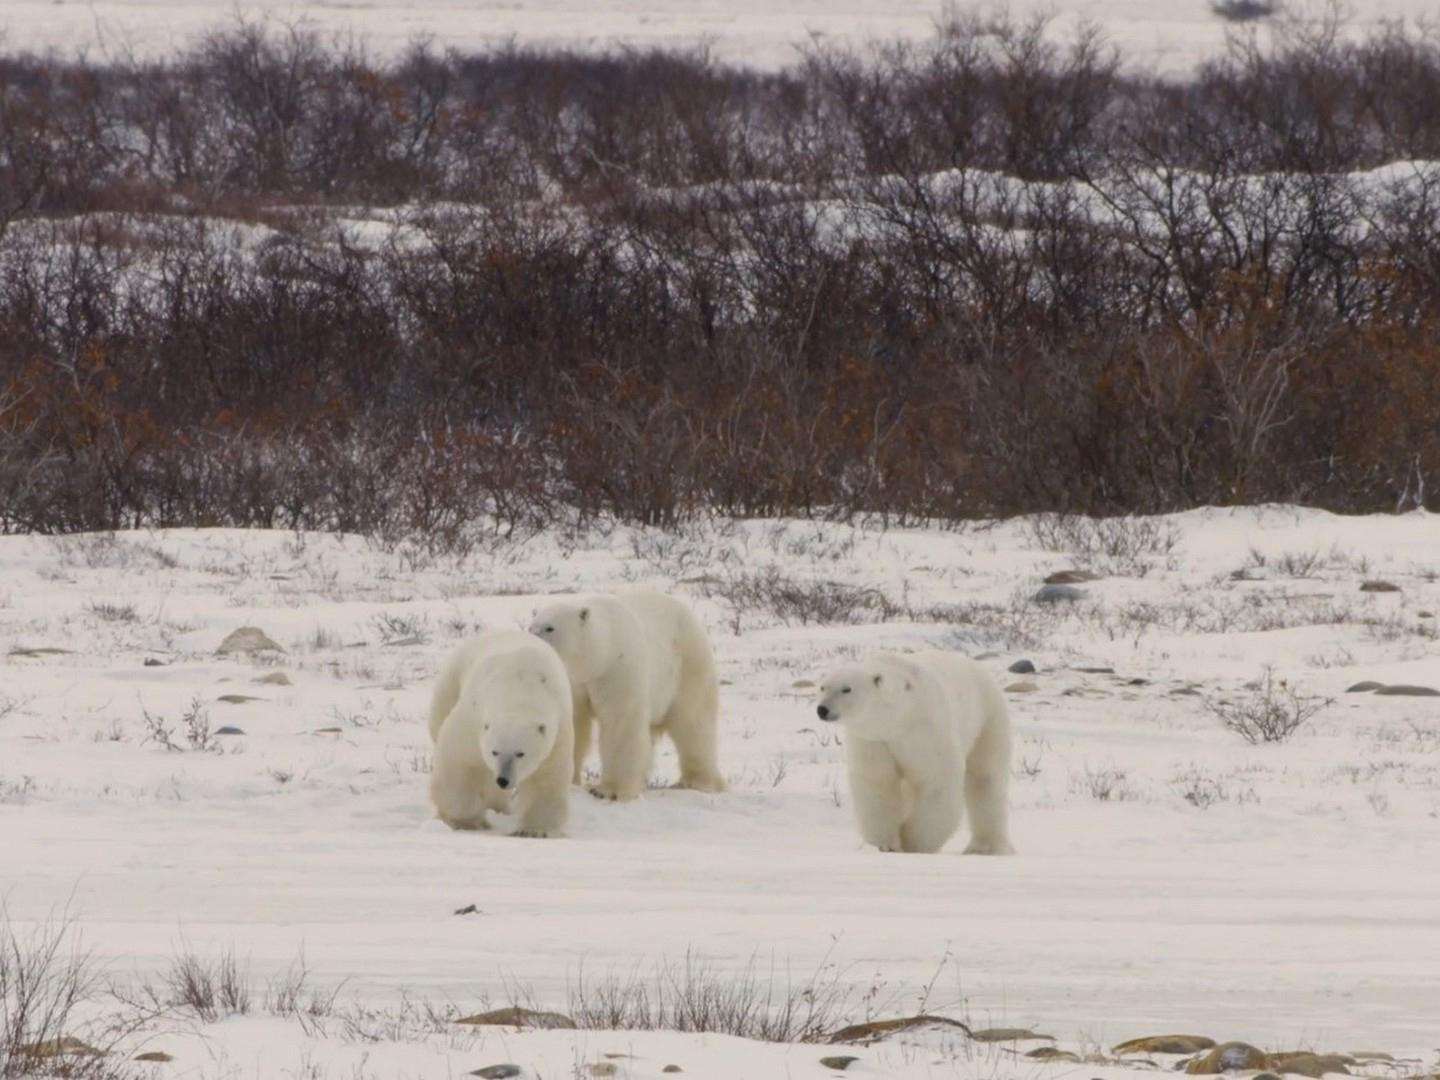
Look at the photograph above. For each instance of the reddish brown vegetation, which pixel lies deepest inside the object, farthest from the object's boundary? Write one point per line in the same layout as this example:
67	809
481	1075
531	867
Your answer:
646	285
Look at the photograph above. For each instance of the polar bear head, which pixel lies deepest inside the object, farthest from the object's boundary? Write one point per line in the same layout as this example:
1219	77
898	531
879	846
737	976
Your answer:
579	630
519	713
868	698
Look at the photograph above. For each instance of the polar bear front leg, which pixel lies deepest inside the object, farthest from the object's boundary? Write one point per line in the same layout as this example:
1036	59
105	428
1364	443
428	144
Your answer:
625	749
622	713
933	819
458	797
876	793
584	722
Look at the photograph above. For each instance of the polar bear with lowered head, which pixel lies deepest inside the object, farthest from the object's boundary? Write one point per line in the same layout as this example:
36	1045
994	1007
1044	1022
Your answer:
927	736
640	665
500	719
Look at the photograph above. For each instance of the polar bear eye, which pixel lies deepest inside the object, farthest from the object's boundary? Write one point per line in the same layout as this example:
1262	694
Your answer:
542	729
520	753
845	691
494	753
549	629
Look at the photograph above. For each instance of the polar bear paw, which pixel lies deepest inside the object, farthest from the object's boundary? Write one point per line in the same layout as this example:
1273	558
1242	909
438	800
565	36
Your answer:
990	847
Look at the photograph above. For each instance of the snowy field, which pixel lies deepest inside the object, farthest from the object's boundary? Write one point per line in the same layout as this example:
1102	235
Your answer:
1170	36
1171	876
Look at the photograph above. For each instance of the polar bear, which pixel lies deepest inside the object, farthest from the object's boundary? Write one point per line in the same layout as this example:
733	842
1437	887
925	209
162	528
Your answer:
640	664
500	719
927	735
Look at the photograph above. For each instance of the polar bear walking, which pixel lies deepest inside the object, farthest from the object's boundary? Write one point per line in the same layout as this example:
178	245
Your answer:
500	719
927	736
640	665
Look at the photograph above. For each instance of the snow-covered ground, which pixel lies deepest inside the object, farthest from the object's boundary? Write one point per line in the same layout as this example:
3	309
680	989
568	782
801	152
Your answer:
1171	876
1171	36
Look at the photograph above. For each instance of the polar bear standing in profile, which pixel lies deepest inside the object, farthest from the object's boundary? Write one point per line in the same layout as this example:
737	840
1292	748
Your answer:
640	664
500	719
927	736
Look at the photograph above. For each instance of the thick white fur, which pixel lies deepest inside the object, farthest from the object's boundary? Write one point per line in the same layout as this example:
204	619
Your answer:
502	707
927	736
640	665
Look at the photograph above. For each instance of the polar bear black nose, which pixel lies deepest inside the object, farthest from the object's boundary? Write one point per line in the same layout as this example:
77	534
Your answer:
823	711
502	781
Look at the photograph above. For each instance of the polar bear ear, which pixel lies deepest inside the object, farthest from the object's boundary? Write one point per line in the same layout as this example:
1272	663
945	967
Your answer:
584	614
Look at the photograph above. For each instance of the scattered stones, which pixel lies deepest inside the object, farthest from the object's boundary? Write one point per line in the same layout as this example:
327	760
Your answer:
1407	691
1305	1063
1228	1057
1050	1053
150	661
1051	594
229	729
468	909
1071	577
878	1029
1266	1076
803	684
275	678
326	731
1379	586
1426	614
1021	667
515	1016
1007	1035
1023	687
64	1046
247	639
154	1055
1164	1044
237	699
38	650
839	1061
497	1072
1095	670
603	1068
1364	686
672	1069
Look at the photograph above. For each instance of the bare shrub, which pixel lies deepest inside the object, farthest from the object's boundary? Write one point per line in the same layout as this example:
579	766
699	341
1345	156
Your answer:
106	612
208	988
1103	784
693	995
1270	713
1115	545
793	601
47	982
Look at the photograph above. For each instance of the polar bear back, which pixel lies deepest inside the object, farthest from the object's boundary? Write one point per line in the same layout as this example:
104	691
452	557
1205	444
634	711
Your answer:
491	655
953	716
972	695
676	645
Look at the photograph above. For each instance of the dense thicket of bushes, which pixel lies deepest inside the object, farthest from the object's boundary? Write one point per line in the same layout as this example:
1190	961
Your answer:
987	274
